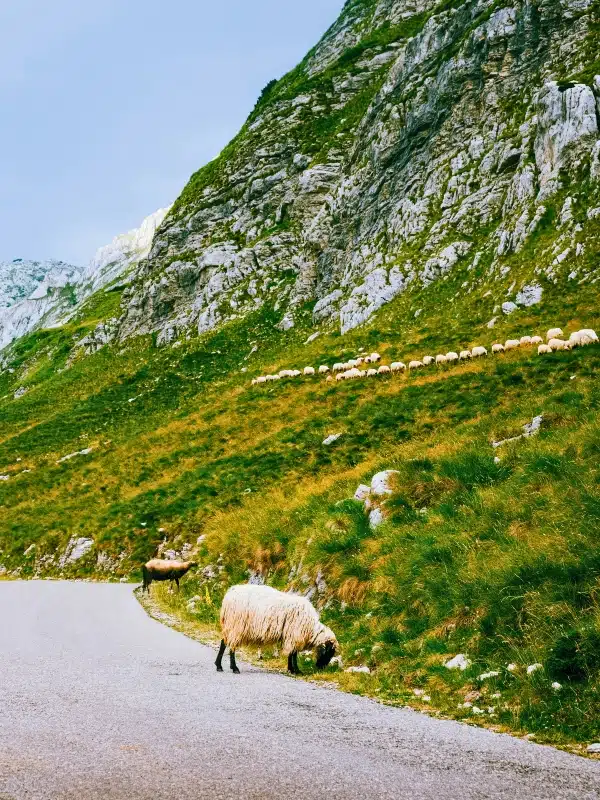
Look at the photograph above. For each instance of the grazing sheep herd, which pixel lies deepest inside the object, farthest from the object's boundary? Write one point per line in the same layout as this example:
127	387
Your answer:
350	370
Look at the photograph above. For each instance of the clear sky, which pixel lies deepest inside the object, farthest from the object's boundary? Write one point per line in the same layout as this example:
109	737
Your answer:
108	106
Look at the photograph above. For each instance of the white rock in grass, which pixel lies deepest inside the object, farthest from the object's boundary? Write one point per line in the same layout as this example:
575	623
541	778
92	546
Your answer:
556	686
593	748
511	667
361	670
336	661
376	518
487	675
460	662
534	668
362	493
381	482
476	710
418	692
331	439
4	477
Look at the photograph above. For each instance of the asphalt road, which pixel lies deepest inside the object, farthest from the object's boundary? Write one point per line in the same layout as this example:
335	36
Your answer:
99	701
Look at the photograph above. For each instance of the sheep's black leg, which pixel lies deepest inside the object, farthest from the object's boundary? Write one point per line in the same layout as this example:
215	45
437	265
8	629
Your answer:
177	582
296	669
220	656
291	663
232	664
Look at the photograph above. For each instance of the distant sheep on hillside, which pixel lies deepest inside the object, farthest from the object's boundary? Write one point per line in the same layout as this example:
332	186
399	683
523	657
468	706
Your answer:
558	344
497	348
536	340
323	369
440	359
512	344
525	340
309	371
543	349
465	355
451	357
428	360
260	615
413	365
384	370
398	366
479	352
554	333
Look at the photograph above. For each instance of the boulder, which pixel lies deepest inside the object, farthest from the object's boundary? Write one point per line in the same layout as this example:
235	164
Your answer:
381	483
459	661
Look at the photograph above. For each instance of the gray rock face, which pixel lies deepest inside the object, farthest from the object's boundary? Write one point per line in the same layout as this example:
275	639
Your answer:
412	142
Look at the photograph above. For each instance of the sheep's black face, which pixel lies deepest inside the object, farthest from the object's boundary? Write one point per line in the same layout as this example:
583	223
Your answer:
325	652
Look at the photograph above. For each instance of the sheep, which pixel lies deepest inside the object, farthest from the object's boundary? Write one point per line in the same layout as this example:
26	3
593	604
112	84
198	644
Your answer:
261	379
415	365
398	366
371	373
536	340
260	615
354	373
375	357
323	369
428	360
440	359
554	333
583	337
295	373
591	334
558	344
338	367
341	376
479	352
543	349
329	379
525	340
451	357
497	348
359	361
309	370
512	344
384	370
464	355
159	570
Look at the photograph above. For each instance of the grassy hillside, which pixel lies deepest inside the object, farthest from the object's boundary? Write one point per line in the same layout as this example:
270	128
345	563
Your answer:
495	560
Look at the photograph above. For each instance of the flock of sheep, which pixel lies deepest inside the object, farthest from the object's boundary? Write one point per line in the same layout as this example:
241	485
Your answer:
350	370
253	615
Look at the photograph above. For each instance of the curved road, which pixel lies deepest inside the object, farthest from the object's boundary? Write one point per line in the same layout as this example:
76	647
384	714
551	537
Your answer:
99	701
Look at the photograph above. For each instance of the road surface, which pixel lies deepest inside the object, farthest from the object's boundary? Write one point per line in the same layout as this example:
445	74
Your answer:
99	701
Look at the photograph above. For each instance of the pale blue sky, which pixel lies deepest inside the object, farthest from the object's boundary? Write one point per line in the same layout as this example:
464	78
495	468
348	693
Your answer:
108	106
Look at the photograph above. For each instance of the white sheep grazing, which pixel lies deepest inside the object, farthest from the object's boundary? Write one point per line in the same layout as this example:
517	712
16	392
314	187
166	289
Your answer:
583	337
536	340
295	373
262	379
309	370
525	340
384	370
359	361
260	615
415	365
554	333
354	373
543	349
479	352
591	334
497	348
254	382
371	373
451	357
329	379
440	359
512	344
323	369
375	357
338	367
398	366
465	355
428	360
341	376
558	344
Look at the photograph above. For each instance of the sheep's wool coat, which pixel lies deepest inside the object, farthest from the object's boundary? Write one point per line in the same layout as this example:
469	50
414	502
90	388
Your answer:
261	615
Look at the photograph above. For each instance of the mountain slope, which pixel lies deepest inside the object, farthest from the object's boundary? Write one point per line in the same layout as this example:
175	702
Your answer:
411	140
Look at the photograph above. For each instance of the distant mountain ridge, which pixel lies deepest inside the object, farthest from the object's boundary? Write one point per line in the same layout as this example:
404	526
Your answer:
46	293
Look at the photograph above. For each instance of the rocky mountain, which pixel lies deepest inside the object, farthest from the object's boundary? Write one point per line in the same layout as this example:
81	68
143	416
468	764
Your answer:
417	139
47	293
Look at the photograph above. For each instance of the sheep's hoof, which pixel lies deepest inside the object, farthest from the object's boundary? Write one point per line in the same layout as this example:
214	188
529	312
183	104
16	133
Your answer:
235	671
219	669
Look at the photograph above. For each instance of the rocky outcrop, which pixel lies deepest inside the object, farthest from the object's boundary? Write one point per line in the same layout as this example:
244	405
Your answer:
416	140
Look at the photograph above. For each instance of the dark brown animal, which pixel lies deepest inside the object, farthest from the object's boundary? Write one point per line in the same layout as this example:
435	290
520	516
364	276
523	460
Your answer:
159	570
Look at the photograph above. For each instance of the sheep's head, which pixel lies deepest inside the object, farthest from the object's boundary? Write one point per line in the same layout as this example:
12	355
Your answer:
326	646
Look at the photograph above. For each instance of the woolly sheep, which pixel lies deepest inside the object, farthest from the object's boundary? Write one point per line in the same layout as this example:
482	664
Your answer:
479	352
525	340
295	373
375	357
428	360
323	369
383	370
159	570
512	344
397	366
536	340
415	365
359	361
451	357
583	337
558	344
497	348
543	349
440	359
309	370
554	333
329	379
338	367
341	376
262	379
253	615
589	333
354	373
371	373
464	355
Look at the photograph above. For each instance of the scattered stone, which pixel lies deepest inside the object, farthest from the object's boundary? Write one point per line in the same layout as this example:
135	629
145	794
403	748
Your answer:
556	686
336	661
509	307
532	668
511	668
381	483
418	692
593	748
312	337
76	549
487	675
361	670
85	452
20	392
362	493
460	662
529	429
476	710
376	518
4	477
332	438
